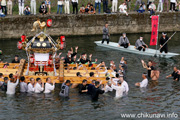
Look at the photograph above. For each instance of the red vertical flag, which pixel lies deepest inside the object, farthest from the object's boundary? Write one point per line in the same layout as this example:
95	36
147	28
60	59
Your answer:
154	27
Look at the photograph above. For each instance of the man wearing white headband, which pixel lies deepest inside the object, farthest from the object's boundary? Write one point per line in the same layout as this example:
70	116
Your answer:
144	83
163	40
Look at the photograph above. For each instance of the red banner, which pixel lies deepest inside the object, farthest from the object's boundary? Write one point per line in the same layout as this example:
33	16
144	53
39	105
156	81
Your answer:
154	27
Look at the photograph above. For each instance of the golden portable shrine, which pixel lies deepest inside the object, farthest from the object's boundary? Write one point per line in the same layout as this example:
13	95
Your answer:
41	51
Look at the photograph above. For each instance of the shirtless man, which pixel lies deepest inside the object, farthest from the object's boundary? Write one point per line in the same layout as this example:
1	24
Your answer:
155	74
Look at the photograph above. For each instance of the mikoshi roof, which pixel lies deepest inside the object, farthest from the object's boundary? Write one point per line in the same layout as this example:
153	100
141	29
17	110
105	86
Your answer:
41	41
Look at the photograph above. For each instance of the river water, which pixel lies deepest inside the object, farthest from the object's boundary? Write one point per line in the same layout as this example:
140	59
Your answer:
162	97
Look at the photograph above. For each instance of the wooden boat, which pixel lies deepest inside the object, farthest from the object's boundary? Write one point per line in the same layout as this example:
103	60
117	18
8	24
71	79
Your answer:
132	49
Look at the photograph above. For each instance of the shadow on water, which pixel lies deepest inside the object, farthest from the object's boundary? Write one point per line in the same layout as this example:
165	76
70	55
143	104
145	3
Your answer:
160	97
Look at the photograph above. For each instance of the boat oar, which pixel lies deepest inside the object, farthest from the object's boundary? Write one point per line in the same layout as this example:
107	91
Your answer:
165	43
167	40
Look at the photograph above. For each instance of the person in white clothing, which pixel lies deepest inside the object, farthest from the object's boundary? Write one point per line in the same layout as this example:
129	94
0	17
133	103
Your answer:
21	6
144	83
122	8
31	85
9	7
172	5
108	87
116	78
48	86
124	84
66	7
114	5
3	6
11	85
39	87
119	89
33	7
160	6
23	85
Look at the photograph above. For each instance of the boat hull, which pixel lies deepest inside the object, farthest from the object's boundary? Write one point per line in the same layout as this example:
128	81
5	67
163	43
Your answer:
131	49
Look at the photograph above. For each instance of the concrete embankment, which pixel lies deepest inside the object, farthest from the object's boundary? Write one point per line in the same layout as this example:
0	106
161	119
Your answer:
15	26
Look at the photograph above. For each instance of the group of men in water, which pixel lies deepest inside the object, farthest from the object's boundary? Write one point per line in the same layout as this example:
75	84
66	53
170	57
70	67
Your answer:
139	45
116	82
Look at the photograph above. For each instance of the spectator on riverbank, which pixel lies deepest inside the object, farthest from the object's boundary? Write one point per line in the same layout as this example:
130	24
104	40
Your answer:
87	8
149	3
60	6
66	7
1	13
3	6
33	7
43	9
152	8
105	6
82	9
142	8
128	3
75	6
166	3
178	5
9	7
122	8
114	5
172	5
92	10
21	7
27	10
160	6
138	2
98	3
48	5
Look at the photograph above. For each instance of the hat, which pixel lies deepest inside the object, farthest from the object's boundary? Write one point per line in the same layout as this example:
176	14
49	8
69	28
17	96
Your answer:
164	33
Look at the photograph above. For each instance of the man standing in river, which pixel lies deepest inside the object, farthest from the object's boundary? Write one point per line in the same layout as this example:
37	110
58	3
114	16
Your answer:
155	74
105	34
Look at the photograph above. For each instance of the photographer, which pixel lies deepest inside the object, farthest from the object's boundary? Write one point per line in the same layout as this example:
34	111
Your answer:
27	10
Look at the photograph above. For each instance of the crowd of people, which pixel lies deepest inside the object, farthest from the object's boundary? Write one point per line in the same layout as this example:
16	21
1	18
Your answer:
117	82
6	7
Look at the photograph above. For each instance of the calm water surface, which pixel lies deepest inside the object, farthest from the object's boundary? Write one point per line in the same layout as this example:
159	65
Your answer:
161	97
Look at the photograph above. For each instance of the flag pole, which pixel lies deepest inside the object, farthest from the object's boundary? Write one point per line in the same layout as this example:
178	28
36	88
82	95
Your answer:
157	36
